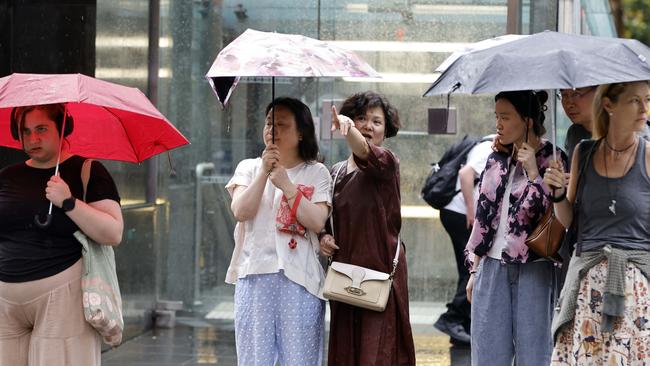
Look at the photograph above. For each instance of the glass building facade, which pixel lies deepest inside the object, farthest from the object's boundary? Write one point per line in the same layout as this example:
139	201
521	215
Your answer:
178	244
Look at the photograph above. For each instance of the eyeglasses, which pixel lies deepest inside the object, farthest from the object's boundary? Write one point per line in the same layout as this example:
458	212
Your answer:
567	96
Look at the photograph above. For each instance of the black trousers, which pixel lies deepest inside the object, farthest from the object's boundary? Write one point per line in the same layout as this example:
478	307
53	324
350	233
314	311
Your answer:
459	309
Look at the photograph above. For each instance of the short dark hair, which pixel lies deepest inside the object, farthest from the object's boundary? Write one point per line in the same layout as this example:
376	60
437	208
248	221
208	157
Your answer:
308	146
529	104
357	105
54	111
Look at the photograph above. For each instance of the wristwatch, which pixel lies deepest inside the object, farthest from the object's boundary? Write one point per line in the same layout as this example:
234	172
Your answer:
68	204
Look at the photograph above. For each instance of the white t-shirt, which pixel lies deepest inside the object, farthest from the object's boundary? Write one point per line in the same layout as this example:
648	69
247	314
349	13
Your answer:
476	159
260	247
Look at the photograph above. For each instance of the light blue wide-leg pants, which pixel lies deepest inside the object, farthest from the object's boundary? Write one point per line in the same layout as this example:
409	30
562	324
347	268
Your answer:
512	309
277	320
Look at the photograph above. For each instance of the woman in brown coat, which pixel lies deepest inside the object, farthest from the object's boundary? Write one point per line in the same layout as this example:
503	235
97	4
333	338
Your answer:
367	222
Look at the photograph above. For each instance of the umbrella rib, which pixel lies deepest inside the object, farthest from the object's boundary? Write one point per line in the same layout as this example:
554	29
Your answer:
78	88
125	132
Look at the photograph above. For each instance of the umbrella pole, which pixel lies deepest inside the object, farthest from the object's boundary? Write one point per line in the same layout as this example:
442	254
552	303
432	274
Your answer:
48	218
553	125
553	136
273	109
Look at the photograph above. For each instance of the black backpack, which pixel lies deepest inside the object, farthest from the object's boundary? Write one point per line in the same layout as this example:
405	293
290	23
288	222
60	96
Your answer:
440	186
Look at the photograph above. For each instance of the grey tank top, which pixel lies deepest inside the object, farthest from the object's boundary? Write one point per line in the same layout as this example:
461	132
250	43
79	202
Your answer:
629	228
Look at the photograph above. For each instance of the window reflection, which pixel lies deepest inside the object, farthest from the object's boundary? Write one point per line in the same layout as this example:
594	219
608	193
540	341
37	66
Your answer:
403	40
121	57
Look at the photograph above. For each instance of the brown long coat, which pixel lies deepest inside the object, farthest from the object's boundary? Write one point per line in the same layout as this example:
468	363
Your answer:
367	221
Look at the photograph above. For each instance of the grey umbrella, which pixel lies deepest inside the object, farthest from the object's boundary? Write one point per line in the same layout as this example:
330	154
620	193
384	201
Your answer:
546	60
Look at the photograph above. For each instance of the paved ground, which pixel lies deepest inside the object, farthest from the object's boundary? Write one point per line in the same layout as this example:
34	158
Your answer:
210	341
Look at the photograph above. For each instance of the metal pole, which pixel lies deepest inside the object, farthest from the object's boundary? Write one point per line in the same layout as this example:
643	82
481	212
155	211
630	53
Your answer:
576	17
513	21
200	169
153	65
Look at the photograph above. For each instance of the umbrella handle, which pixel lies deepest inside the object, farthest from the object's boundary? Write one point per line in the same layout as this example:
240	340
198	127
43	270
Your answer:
48	219
43	224
273	110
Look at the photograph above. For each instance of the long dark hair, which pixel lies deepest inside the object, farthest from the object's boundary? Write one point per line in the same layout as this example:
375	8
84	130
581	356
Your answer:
357	105
308	146
528	104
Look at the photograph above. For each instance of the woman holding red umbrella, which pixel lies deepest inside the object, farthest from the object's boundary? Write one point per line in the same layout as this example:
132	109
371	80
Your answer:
41	314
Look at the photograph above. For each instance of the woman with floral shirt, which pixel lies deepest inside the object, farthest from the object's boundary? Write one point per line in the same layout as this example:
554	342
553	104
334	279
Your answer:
510	287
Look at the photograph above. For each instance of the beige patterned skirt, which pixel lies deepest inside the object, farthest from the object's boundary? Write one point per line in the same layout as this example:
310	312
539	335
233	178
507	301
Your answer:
582	343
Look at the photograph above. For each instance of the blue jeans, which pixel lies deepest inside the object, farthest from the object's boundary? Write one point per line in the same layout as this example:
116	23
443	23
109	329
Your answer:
512	308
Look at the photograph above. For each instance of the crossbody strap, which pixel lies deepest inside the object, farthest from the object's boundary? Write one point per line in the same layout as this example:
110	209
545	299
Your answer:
336	176
583	162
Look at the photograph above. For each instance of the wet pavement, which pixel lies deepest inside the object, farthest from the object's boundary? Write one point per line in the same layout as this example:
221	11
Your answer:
212	342
209	339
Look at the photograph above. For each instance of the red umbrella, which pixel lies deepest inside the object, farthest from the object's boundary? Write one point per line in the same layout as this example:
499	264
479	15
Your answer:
112	121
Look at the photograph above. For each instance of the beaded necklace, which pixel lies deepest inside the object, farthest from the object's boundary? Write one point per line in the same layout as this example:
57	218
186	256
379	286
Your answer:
618	152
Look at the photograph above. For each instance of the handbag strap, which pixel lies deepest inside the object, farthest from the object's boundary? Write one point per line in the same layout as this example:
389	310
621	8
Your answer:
85	175
294	208
396	258
336	176
583	162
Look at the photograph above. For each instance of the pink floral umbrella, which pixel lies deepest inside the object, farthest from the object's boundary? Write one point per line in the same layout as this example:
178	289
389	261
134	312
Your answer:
256	53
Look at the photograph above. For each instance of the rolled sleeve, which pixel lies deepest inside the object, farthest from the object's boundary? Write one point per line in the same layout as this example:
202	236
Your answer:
323	191
244	174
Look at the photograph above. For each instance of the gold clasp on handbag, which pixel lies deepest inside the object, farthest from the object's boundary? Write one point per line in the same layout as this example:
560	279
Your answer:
357	276
355	291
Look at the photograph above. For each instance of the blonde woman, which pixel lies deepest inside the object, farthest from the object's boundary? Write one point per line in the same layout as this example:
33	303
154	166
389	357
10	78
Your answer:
604	318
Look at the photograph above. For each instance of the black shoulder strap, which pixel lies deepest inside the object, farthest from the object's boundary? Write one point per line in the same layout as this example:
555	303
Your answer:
583	162
85	175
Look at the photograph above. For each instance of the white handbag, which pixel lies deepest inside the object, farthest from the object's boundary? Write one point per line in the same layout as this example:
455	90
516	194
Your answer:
356	285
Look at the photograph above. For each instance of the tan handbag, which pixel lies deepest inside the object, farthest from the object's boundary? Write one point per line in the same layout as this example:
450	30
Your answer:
356	285
547	237
359	286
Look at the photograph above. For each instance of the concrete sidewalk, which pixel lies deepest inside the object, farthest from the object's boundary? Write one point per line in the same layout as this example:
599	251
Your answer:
210	340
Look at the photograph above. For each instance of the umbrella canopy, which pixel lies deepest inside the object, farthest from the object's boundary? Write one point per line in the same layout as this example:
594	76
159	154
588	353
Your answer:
477	46
546	60
256	53
112	121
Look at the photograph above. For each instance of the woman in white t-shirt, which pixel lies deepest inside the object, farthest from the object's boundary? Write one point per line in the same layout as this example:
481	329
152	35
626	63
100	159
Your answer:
280	202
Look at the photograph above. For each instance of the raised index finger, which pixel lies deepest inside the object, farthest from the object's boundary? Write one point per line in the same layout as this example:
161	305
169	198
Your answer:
335	119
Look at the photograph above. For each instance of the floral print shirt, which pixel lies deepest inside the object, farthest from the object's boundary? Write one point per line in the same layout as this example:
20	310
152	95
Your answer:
527	204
